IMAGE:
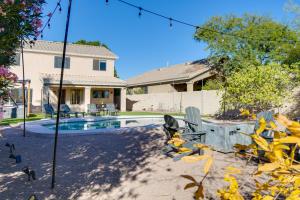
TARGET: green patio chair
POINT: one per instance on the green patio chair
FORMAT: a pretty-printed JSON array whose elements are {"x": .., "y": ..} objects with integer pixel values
[
  {"x": 66, "y": 110},
  {"x": 193, "y": 123},
  {"x": 92, "y": 109}
]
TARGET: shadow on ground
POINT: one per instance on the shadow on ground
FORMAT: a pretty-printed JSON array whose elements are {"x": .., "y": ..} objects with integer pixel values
[{"x": 86, "y": 165}]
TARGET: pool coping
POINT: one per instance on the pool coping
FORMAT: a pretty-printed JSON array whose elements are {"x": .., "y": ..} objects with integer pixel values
[{"x": 38, "y": 128}]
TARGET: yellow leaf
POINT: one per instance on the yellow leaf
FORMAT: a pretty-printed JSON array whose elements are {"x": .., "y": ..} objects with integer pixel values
[
  {"x": 261, "y": 142},
  {"x": 208, "y": 165},
  {"x": 233, "y": 170},
  {"x": 201, "y": 146},
  {"x": 283, "y": 120},
  {"x": 184, "y": 150},
  {"x": 288, "y": 140},
  {"x": 176, "y": 142},
  {"x": 294, "y": 130},
  {"x": 272, "y": 125},
  {"x": 194, "y": 158},
  {"x": 262, "y": 126},
  {"x": 268, "y": 167},
  {"x": 296, "y": 167},
  {"x": 268, "y": 197}
]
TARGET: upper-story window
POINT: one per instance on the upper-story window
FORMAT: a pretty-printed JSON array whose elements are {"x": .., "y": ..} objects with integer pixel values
[
  {"x": 58, "y": 62},
  {"x": 17, "y": 59},
  {"x": 99, "y": 65}
]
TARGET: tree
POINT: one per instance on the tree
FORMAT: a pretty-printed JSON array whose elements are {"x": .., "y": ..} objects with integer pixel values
[
  {"x": 292, "y": 7},
  {"x": 237, "y": 42},
  {"x": 92, "y": 43},
  {"x": 7, "y": 80},
  {"x": 19, "y": 20},
  {"x": 258, "y": 87}
]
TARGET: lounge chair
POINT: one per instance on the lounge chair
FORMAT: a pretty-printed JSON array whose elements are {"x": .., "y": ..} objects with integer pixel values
[
  {"x": 193, "y": 123},
  {"x": 191, "y": 136},
  {"x": 49, "y": 110},
  {"x": 65, "y": 109},
  {"x": 92, "y": 109},
  {"x": 111, "y": 109}
]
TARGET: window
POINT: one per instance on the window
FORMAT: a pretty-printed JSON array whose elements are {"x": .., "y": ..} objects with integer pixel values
[
  {"x": 99, "y": 65},
  {"x": 76, "y": 95},
  {"x": 17, "y": 59},
  {"x": 96, "y": 94},
  {"x": 58, "y": 62},
  {"x": 100, "y": 94},
  {"x": 105, "y": 94}
]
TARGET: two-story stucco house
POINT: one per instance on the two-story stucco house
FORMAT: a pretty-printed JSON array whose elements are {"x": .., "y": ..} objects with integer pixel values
[{"x": 88, "y": 75}]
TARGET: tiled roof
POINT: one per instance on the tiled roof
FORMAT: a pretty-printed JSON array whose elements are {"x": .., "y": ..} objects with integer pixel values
[
  {"x": 177, "y": 72},
  {"x": 83, "y": 80},
  {"x": 93, "y": 51}
]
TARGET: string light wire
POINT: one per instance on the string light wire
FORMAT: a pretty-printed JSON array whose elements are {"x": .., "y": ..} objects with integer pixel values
[{"x": 171, "y": 20}]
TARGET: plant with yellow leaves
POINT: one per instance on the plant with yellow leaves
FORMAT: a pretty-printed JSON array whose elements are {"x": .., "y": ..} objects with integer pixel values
[{"x": 277, "y": 175}]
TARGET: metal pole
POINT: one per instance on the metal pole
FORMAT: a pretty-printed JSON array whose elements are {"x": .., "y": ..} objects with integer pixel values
[
  {"x": 23, "y": 87},
  {"x": 60, "y": 94}
]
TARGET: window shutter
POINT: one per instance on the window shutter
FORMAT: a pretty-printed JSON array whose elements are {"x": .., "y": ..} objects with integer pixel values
[
  {"x": 95, "y": 64},
  {"x": 67, "y": 64},
  {"x": 57, "y": 62}
]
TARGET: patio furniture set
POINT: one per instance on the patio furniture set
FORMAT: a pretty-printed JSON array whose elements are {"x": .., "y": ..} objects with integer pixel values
[{"x": 93, "y": 109}]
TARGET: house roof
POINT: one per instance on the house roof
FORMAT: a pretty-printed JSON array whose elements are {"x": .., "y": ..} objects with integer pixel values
[
  {"x": 78, "y": 49},
  {"x": 79, "y": 80},
  {"x": 179, "y": 72}
]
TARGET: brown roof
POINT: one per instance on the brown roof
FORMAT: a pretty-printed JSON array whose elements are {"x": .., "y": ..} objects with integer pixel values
[
  {"x": 177, "y": 72},
  {"x": 50, "y": 46}
]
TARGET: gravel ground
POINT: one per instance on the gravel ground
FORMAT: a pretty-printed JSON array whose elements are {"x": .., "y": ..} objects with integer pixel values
[{"x": 128, "y": 165}]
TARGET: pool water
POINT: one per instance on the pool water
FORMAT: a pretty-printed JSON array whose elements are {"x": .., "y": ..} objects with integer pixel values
[{"x": 104, "y": 124}]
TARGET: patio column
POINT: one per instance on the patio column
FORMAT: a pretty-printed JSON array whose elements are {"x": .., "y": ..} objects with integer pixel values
[
  {"x": 87, "y": 97},
  {"x": 190, "y": 86},
  {"x": 123, "y": 99}
]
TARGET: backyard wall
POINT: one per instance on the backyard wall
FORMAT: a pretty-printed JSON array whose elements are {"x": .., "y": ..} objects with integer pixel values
[{"x": 207, "y": 101}]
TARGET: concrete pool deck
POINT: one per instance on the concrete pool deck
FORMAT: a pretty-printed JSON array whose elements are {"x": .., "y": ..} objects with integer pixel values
[{"x": 121, "y": 166}]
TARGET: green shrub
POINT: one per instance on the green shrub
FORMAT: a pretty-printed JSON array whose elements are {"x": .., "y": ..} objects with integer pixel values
[{"x": 258, "y": 88}]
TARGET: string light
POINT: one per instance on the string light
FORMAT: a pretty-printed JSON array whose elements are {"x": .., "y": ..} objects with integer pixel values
[
  {"x": 171, "y": 20},
  {"x": 140, "y": 11},
  {"x": 59, "y": 7},
  {"x": 171, "y": 24},
  {"x": 50, "y": 15}
]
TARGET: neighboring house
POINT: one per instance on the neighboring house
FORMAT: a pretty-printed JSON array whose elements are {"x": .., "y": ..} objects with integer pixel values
[
  {"x": 177, "y": 78},
  {"x": 88, "y": 76}
]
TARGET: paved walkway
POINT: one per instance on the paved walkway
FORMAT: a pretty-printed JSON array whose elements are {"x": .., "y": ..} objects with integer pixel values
[{"x": 105, "y": 167}]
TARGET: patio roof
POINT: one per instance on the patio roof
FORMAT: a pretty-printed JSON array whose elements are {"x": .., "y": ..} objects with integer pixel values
[
  {"x": 78, "y": 80},
  {"x": 179, "y": 72}
]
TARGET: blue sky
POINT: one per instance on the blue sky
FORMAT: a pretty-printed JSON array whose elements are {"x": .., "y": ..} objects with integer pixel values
[{"x": 148, "y": 42}]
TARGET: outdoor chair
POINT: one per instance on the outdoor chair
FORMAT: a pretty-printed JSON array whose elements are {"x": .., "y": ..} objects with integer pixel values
[
  {"x": 49, "y": 110},
  {"x": 111, "y": 109},
  {"x": 193, "y": 123},
  {"x": 93, "y": 110},
  {"x": 190, "y": 135},
  {"x": 268, "y": 116},
  {"x": 65, "y": 109}
]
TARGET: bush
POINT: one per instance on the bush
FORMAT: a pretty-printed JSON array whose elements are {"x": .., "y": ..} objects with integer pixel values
[
  {"x": 213, "y": 84},
  {"x": 258, "y": 88}
]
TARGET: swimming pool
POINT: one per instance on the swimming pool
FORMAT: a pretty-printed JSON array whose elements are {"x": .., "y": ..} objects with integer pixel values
[
  {"x": 222, "y": 136},
  {"x": 105, "y": 124}
]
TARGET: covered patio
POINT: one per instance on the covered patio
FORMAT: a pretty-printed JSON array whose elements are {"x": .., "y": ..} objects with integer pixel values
[{"x": 79, "y": 91}]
